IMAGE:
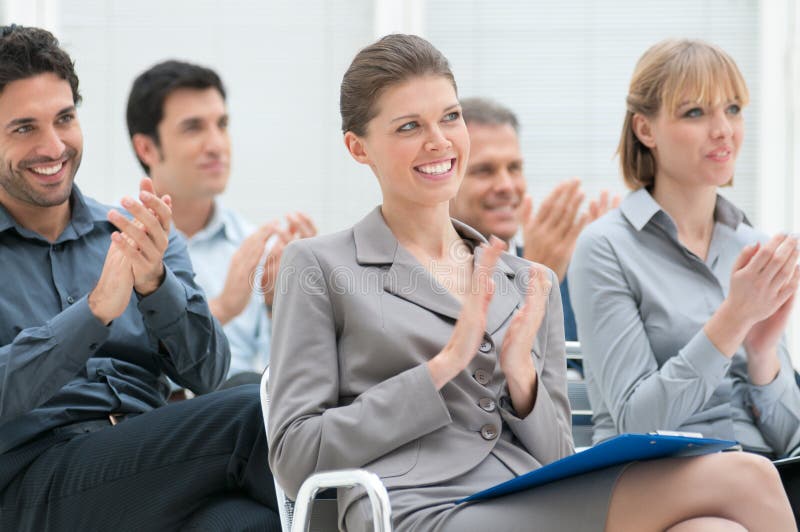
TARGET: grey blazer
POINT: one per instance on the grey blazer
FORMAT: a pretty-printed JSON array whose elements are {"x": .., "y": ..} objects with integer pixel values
[{"x": 356, "y": 319}]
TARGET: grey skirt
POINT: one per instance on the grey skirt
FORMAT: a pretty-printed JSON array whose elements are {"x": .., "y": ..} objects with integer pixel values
[{"x": 575, "y": 504}]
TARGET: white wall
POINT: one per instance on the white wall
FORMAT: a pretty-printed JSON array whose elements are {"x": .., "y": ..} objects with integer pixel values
[
  {"x": 282, "y": 67},
  {"x": 562, "y": 65}
]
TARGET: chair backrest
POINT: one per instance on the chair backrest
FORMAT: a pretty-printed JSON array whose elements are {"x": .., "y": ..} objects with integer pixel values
[
  {"x": 298, "y": 517},
  {"x": 285, "y": 504},
  {"x": 580, "y": 407}
]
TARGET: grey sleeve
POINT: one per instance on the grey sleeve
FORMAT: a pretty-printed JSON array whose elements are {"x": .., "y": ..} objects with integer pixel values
[
  {"x": 194, "y": 349},
  {"x": 640, "y": 396},
  {"x": 41, "y": 360},
  {"x": 551, "y": 411},
  {"x": 308, "y": 430},
  {"x": 778, "y": 406}
]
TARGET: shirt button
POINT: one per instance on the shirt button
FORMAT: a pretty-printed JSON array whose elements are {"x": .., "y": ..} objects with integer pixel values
[
  {"x": 486, "y": 346},
  {"x": 70, "y": 300},
  {"x": 481, "y": 376},
  {"x": 489, "y": 432},
  {"x": 488, "y": 404}
]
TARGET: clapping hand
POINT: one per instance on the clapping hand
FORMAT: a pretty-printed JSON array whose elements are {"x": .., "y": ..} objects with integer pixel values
[
  {"x": 244, "y": 263},
  {"x": 771, "y": 277},
  {"x": 516, "y": 361},
  {"x": 550, "y": 233},
  {"x": 299, "y": 225},
  {"x": 110, "y": 297},
  {"x": 469, "y": 328},
  {"x": 144, "y": 239},
  {"x": 763, "y": 283}
]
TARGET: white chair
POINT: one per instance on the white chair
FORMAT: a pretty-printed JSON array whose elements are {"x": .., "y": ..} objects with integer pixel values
[{"x": 296, "y": 516}]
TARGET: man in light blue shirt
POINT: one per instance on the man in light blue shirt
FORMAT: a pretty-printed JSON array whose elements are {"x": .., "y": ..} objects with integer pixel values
[
  {"x": 212, "y": 250},
  {"x": 178, "y": 123}
]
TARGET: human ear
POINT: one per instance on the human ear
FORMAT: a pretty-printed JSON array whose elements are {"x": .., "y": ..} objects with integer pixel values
[
  {"x": 146, "y": 149},
  {"x": 643, "y": 129},
  {"x": 357, "y": 147}
]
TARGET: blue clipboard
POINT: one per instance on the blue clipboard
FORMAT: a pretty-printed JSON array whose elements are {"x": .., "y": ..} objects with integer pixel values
[{"x": 618, "y": 450}]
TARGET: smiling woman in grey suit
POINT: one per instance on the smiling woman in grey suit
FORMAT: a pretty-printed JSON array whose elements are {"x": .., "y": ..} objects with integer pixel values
[{"x": 411, "y": 347}]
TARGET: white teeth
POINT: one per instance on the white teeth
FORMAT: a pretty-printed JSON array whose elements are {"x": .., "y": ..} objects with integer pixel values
[
  {"x": 435, "y": 169},
  {"x": 47, "y": 170}
]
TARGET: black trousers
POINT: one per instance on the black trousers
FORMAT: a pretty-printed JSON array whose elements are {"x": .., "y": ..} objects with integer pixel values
[
  {"x": 790, "y": 476},
  {"x": 193, "y": 465}
]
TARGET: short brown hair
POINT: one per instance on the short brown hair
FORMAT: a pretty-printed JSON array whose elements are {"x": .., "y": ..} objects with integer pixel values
[
  {"x": 26, "y": 52},
  {"x": 391, "y": 60},
  {"x": 663, "y": 76},
  {"x": 488, "y": 112}
]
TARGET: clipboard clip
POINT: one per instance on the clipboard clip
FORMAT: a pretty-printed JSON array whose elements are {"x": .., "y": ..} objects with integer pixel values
[{"x": 676, "y": 433}]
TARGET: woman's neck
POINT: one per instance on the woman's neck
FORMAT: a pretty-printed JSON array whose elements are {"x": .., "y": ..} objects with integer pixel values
[
  {"x": 692, "y": 210},
  {"x": 427, "y": 231}
]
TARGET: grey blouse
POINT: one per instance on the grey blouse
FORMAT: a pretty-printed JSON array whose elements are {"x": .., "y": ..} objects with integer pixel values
[{"x": 641, "y": 300}]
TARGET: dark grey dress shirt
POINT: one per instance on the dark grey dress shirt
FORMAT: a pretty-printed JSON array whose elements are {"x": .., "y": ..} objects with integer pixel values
[
  {"x": 59, "y": 364},
  {"x": 641, "y": 300}
]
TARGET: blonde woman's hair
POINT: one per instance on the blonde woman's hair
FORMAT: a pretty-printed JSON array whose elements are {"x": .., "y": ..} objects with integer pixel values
[{"x": 666, "y": 74}]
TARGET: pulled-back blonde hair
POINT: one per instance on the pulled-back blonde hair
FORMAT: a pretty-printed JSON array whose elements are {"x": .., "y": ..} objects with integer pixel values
[{"x": 666, "y": 74}]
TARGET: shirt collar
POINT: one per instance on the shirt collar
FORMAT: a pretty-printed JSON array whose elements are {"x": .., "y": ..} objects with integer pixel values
[
  {"x": 639, "y": 208},
  {"x": 84, "y": 213}
]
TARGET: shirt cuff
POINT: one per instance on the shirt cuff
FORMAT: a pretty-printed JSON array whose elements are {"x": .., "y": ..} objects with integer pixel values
[
  {"x": 764, "y": 397},
  {"x": 166, "y": 305},
  {"x": 79, "y": 328},
  {"x": 703, "y": 356}
]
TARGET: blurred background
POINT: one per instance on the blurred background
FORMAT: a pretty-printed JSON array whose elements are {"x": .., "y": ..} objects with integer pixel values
[{"x": 563, "y": 66}]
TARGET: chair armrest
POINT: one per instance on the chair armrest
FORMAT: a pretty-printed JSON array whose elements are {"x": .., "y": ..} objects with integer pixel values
[{"x": 344, "y": 478}]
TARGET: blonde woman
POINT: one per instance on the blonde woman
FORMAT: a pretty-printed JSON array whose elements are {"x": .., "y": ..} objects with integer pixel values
[{"x": 681, "y": 305}]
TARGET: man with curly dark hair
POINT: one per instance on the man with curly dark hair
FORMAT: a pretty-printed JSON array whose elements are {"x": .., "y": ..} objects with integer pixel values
[{"x": 99, "y": 309}]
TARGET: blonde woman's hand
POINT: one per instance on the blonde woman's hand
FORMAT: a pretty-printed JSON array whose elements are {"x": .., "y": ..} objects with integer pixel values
[{"x": 763, "y": 281}]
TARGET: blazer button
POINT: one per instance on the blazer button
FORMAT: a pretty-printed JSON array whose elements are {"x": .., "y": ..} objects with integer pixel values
[
  {"x": 487, "y": 403},
  {"x": 482, "y": 377},
  {"x": 489, "y": 432},
  {"x": 486, "y": 346}
]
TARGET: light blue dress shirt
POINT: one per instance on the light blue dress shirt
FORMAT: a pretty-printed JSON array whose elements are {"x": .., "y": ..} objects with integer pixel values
[
  {"x": 59, "y": 364},
  {"x": 641, "y": 300},
  {"x": 211, "y": 250}
]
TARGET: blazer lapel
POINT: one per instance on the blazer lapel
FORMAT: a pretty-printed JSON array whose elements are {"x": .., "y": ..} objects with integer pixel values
[
  {"x": 409, "y": 280},
  {"x": 506, "y": 297},
  {"x": 406, "y": 278}
]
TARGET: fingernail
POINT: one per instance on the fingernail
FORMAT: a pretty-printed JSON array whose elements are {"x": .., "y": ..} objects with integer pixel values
[
  {"x": 145, "y": 195},
  {"x": 127, "y": 202}
]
